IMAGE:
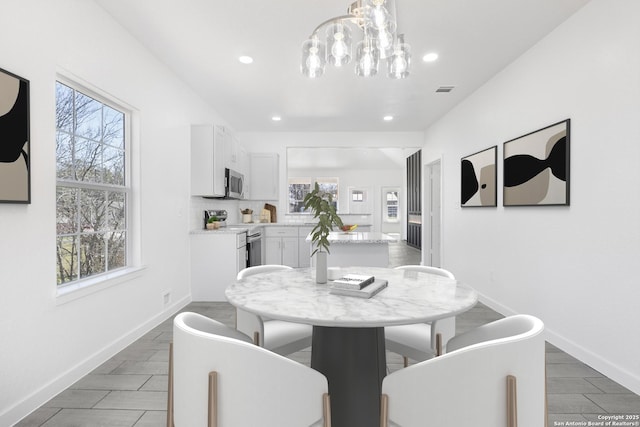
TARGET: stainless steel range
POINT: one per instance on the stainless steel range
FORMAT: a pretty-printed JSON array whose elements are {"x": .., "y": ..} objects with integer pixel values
[{"x": 254, "y": 247}]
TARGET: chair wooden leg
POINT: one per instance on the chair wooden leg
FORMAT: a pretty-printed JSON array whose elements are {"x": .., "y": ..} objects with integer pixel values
[
  {"x": 384, "y": 410},
  {"x": 170, "y": 388},
  {"x": 326, "y": 410},
  {"x": 512, "y": 402},
  {"x": 438, "y": 344},
  {"x": 406, "y": 361},
  {"x": 213, "y": 400}
]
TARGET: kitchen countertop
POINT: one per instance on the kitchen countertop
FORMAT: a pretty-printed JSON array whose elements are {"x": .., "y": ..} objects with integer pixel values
[
  {"x": 242, "y": 227},
  {"x": 351, "y": 237}
]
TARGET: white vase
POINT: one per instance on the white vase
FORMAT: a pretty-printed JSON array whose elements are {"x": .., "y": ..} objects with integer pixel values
[{"x": 321, "y": 267}]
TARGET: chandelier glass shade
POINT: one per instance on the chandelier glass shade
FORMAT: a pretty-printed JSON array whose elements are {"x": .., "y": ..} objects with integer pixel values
[
  {"x": 314, "y": 57},
  {"x": 376, "y": 20}
]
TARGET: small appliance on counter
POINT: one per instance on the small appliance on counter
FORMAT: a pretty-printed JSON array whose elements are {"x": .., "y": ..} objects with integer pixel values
[
  {"x": 221, "y": 214},
  {"x": 246, "y": 215}
]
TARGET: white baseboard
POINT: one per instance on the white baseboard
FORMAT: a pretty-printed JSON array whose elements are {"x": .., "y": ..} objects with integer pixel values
[
  {"x": 596, "y": 361},
  {"x": 45, "y": 393}
]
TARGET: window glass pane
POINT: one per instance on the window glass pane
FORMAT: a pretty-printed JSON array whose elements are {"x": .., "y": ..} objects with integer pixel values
[
  {"x": 92, "y": 254},
  {"x": 93, "y": 205},
  {"x": 298, "y": 189},
  {"x": 113, "y": 166},
  {"x": 66, "y": 210},
  {"x": 116, "y": 217},
  {"x": 88, "y": 117},
  {"x": 392, "y": 205},
  {"x": 329, "y": 185},
  {"x": 113, "y": 127},
  {"x": 64, "y": 155},
  {"x": 88, "y": 156},
  {"x": 116, "y": 244},
  {"x": 67, "y": 259},
  {"x": 64, "y": 107}
]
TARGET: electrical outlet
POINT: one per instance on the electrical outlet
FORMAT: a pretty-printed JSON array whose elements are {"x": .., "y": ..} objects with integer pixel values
[{"x": 166, "y": 297}]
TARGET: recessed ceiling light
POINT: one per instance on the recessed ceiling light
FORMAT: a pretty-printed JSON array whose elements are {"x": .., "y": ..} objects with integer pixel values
[
  {"x": 387, "y": 118},
  {"x": 276, "y": 118},
  {"x": 430, "y": 57},
  {"x": 245, "y": 59}
]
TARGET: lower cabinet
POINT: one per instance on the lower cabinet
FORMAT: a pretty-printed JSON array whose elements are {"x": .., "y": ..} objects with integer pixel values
[
  {"x": 304, "y": 247},
  {"x": 281, "y": 244},
  {"x": 216, "y": 259}
]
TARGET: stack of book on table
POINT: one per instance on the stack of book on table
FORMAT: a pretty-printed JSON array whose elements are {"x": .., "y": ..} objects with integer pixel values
[{"x": 357, "y": 285}]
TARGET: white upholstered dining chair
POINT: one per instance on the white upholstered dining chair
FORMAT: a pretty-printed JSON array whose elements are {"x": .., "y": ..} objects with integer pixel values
[
  {"x": 492, "y": 376},
  {"x": 421, "y": 341},
  {"x": 218, "y": 377},
  {"x": 276, "y": 335}
]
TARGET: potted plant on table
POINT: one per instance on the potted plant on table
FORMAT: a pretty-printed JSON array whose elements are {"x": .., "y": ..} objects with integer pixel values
[{"x": 320, "y": 203}]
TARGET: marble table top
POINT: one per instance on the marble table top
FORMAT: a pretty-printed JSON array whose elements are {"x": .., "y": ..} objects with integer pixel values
[
  {"x": 339, "y": 237},
  {"x": 294, "y": 295}
]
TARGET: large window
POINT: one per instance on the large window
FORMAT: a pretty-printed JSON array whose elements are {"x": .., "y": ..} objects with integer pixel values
[
  {"x": 92, "y": 199},
  {"x": 300, "y": 187}
]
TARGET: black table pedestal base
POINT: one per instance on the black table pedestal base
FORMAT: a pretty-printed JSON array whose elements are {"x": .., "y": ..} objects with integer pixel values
[{"x": 354, "y": 362}]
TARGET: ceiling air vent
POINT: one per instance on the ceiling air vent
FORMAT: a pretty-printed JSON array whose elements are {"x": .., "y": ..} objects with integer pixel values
[{"x": 445, "y": 89}]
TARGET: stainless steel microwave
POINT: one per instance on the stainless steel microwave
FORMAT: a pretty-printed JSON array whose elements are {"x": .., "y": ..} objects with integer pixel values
[{"x": 233, "y": 184}]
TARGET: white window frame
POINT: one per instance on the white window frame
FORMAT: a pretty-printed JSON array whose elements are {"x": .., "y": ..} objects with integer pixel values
[{"x": 85, "y": 286}]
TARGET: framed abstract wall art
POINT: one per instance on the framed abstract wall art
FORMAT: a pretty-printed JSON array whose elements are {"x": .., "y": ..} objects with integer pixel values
[
  {"x": 15, "y": 176},
  {"x": 478, "y": 183},
  {"x": 536, "y": 167}
]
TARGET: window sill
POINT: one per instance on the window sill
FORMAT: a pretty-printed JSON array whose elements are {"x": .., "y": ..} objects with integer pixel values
[{"x": 83, "y": 288}]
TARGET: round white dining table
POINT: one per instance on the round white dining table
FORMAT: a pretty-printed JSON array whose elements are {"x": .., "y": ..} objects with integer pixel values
[{"x": 348, "y": 332}]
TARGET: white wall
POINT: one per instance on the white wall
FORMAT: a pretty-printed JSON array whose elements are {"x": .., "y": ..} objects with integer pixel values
[
  {"x": 574, "y": 267},
  {"x": 47, "y": 346}
]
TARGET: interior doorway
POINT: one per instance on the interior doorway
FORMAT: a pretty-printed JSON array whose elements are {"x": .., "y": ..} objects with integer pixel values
[{"x": 432, "y": 217}]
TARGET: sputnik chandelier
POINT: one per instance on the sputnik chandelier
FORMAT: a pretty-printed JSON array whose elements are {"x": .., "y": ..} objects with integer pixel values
[{"x": 377, "y": 21}]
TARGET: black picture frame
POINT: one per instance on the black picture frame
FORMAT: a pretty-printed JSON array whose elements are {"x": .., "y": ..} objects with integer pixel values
[
  {"x": 15, "y": 144},
  {"x": 536, "y": 167},
  {"x": 478, "y": 179}
]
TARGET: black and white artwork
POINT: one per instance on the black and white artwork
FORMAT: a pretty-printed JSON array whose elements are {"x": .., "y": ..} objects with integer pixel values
[
  {"x": 15, "y": 186},
  {"x": 479, "y": 178},
  {"x": 536, "y": 167}
]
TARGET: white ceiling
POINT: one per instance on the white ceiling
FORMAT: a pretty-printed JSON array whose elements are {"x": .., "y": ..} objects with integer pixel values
[{"x": 201, "y": 40}]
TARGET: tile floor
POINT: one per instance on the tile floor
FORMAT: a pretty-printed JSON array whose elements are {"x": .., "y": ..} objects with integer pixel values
[{"x": 130, "y": 389}]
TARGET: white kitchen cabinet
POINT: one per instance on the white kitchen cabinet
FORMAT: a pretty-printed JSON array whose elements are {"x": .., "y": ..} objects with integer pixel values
[
  {"x": 264, "y": 176},
  {"x": 207, "y": 163},
  {"x": 281, "y": 246},
  {"x": 304, "y": 247},
  {"x": 230, "y": 149},
  {"x": 216, "y": 259}
]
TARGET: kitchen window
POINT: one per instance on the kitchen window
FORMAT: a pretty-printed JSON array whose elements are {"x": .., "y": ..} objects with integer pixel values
[
  {"x": 299, "y": 187},
  {"x": 93, "y": 186}
]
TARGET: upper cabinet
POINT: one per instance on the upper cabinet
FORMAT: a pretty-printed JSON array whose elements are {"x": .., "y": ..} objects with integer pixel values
[
  {"x": 214, "y": 148},
  {"x": 230, "y": 151},
  {"x": 207, "y": 160},
  {"x": 264, "y": 176}
]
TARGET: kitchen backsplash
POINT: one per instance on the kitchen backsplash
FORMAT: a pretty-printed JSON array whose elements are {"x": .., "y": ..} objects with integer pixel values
[{"x": 233, "y": 207}]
